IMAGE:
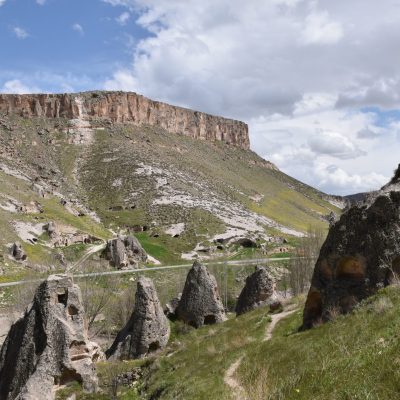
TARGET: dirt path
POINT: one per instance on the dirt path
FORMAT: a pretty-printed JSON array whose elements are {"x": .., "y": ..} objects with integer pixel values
[
  {"x": 92, "y": 250},
  {"x": 237, "y": 389},
  {"x": 275, "y": 318},
  {"x": 230, "y": 380}
]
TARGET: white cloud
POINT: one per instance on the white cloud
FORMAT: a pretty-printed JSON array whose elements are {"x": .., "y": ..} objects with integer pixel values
[
  {"x": 17, "y": 87},
  {"x": 333, "y": 176},
  {"x": 320, "y": 29},
  {"x": 123, "y": 18},
  {"x": 313, "y": 102},
  {"x": 122, "y": 80},
  {"x": 2, "y": 2},
  {"x": 20, "y": 33},
  {"x": 78, "y": 28},
  {"x": 41, "y": 2},
  {"x": 334, "y": 144}
]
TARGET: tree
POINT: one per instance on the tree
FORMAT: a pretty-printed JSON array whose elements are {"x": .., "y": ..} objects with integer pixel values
[{"x": 302, "y": 264}]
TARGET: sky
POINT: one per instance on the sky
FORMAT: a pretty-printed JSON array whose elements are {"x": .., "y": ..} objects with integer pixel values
[{"x": 318, "y": 81}]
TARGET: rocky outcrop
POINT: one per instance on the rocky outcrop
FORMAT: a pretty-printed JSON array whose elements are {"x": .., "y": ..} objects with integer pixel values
[
  {"x": 64, "y": 235},
  {"x": 146, "y": 331},
  {"x": 258, "y": 290},
  {"x": 171, "y": 306},
  {"x": 48, "y": 347},
  {"x": 18, "y": 252},
  {"x": 125, "y": 252},
  {"x": 200, "y": 303},
  {"x": 127, "y": 108},
  {"x": 360, "y": 255}
]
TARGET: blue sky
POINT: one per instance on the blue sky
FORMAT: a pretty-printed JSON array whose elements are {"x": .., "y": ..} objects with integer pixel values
[
  {"x": 316, "y": 80},
  {"x": 68, "y": 42}
]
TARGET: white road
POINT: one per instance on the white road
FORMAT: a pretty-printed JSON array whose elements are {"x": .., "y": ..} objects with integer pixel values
[{"x": 252, "y": 261}]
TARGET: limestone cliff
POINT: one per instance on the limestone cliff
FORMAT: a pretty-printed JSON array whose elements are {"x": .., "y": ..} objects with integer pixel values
[{"x": 127, "y": 108}]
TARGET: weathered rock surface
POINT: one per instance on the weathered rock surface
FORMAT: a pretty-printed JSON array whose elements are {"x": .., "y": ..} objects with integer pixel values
[
  {"x": 17, "y": 252},
  {"x": 200, "y": 303},
  {"x": 125, "y": 252},
  {"x": 360, "y": 255},
  {"x": 259, "y": 288},
  {"x": 171, "y": 306},
  {"x": 146, "y": 331},
  {"x": 48, "y": 347},
  {"x": 123, "y": 107}
]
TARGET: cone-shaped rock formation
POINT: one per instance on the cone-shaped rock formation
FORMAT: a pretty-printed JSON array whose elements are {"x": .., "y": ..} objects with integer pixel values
[
  {"x": 146, "y": 331},
  {"x": 259, "y": 288},
  {"x": 200, "y": 303},
  {"x": 360, "y": 255},
  {"x": 48, "y": 346}
]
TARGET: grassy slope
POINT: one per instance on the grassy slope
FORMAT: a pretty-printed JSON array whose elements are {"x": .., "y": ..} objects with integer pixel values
[
  {"x": 232, "y": 172},
  {"x": 81, "y": 172},
  {"x": 354, "y": 357}
]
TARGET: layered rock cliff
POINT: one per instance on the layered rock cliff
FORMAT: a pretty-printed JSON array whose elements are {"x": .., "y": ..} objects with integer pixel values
[{"x": 127, "y": 108}]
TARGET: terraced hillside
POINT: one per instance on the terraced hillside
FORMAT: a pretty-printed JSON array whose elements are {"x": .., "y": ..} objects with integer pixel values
[{"x": 97, "y": 176}]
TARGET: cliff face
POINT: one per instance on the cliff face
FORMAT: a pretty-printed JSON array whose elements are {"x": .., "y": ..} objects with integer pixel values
[{"x": 123, "y": 107}]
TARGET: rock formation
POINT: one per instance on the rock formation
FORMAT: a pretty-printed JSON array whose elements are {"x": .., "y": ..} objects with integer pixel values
[
  {"x": 146, "y": 331},
  {"x": 125, "y": 252},
  {"x": 127, "y": 108},
  {"x": 171, "y": 306},
  {"x": 259, "y": 288},
  {"x": 17, "y": 252},
  {"x": 200, "y": 303},
  {"x": 360, "y": 255},
  {"x": 48, "y": 347}
]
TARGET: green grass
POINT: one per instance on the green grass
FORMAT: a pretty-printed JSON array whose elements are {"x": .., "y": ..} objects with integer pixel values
[
  {"x": 197, "y": 368},
  {"x": 354, "y": 357},
  {"x": 54, "y": 211}
]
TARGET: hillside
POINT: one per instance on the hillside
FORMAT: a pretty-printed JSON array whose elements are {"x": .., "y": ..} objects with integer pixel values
[
  {"x": 351, "y": 357},
  {"x": 102, "y": 163},
  {"x": 348, "y": 358}
]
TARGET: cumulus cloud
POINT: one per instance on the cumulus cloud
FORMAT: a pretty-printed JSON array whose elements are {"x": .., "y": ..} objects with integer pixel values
[
  {"x": 78, "y": 28},
  {"x": 20, "y": 33},
  {"x": 334, "y": 144},
  {"x": 18, "y": 87},
  {"x": 332, "y": 175}
]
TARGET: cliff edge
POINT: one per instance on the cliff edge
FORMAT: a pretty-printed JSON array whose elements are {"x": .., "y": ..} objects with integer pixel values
[{"x": 127, "y": 108}]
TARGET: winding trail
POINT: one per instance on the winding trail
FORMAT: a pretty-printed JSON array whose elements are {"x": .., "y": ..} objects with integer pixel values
[
  {"x": 91, "y": 250},
  {"x": 238, "y": 390},
  {"x": 275, "y": 318}
]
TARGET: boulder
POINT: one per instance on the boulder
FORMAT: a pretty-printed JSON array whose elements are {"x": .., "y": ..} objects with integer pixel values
[
  {"x": 146, "y": 331},
  {"x": 360, "y": 255},
  {"x": 48, "y": 347},
  {"x": 171, "y": 306},
  {"x": 200, "y": 303},
  {"x": 134, "y": 249},
  {"x": 17, "y": 252},
  {"x": 115, "y": 253},
  {"x": 125, "y": 252},
  {"x": 259, "y": 288}
]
